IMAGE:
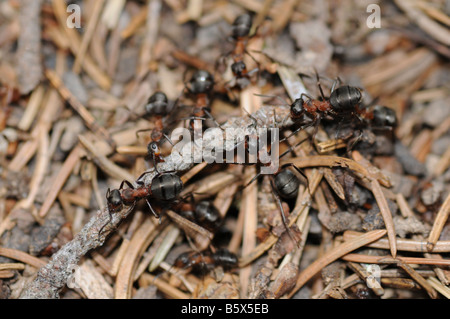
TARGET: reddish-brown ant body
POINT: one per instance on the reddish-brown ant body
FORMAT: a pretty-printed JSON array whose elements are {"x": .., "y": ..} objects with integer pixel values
[
  {"x": 157, "y": 108},
  {"x": 164, "y": 187},
  {"x": 203, "y": 213},
  {"x": 240, "y": 34},
  {"x": 203, "y": 261},
  {"x": 200, "y": 87}
]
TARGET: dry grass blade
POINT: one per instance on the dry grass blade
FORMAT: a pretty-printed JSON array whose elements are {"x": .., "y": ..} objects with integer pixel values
[
  {"x": 439, "y": 223},
  {"x": 76, "y": 104},
  {"x": 60, "y": 179},
  {"x": 419, "y": 279},
  {"x": 436, "y": 284},
  {"x": 21, "y": 256},
  {"x": 403, "y": 244},
  {"x": 334, "y": 254},
  {"x": 389, "y": 260},
  {"x": 387, "y": 216},
  {"x": 138, "y": 244}
]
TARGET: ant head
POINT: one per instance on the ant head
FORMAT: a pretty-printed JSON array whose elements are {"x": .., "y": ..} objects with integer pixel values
[
  {"x": 238, "y": 68},
  {"x": 384, "y": 117},
  {"x": 157, "y": 104},
  {"x": 297, "y": 109},
  {"x": 201, "y": 82},
  {"x": 153, "y": 148},
  {"x": 113, "y": 197},
  {"x": 241, "y": 26}
]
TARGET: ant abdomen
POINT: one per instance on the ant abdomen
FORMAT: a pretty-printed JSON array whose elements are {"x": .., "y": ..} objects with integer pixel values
[
  {"x": 225, "y": 258},
  {"x": 345, "y": 98},
  {"x": 201, "y": 82},
  {"x": 286, "y": 183},
  {"x": 241, "y": 26},
  {"x": 157, "y": 104},
  {"x": 166, "y": 187},
  {"x": 207, "y": 215},
  {"x": 384, "y": 117}
]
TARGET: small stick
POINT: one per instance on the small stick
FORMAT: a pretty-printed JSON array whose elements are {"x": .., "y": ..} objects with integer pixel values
[
  {"x": 59, "y": 8},
  {"x": 60, "y": 179},
  {"x": 12, "y": 266},
  {"x": 87, "y": 36},
  {"x": 335, "y": 254},
  {"x": 22, "y": 256},
  {"x": 164, "y": 287},
  {"x": 32, "y": 109},
  {"x": 419, "y": 279},
  {"x": 76, "y": 104},
  {"x": 137, "y": 21},
  {"x": 386, "y": 214},
  {"x": 439, "y": 224},
  {"x": 403, "y": 244},
  {"x": 125, "y": 275},
  {"x": 436, "y": 284},
  {"x": 103, "y": 162},
  {"x": 362, "y": 273},
  {"x": 368, "y": 259}
]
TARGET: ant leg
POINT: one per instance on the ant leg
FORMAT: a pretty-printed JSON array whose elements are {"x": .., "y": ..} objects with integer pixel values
[
  {"x": 273, "y": 96},
  {"x": 253, "y": 179},
  {"x": 292, "y": 147},
  {"x": 308, "y": 96},
  {"x": 128, "y": 184},
  {"x": 319, "y": 85},
  {"x": 213, "y": 119},
  {"x": 283, "y": 217},
  {"x": 153, "y": 211},
  {"x": 108, "y": 192},
  {"x": 336, "y": 81},
  {"x": 142, "y": 130}
]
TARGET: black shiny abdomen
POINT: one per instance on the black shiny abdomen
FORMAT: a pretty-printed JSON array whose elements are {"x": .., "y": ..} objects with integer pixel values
[
  {"x": 201, "y": 82},
  {"x": 345, "y": 98},
  {"x": 225, "y": 258},
  {"x": 241, "y": 26},
  {"x": 286, "y": 184},
  {"x": 207, "y": 215},
  {"x": 166, "y": 187},
  {"x": 384, "y": 117},
  {"x": 157, "y": 104}
]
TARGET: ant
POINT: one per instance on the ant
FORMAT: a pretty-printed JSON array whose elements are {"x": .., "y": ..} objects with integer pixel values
[
  {"x": 240, "y": 33},
  {"x": 203, "y": 213},
  {"x": 164, "y": 187},
  {"x": 205, "y": 261},
  {"x": 157, "y": 107},
  {"x": 344, "y": 103},
  {"x": 284, "y": 182},
  {"x": 200, "y": 87}
]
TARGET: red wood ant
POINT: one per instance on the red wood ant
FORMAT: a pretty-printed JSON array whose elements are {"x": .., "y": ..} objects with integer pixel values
[
  {"x": 200, "y": 87},
  {"x": 344, "y": 103},
  {"x": 240, "y": 31},
  {"x": 165, "y": 187},
  {"x": 157, "y": 108},
  {"x": 203, "y": 213},
  {"x": 203, "y": 261}
]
